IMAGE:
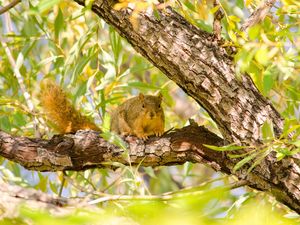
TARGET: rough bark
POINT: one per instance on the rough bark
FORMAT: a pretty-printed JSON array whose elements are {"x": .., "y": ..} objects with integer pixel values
[
  {"x": 199, "y": 65},
  {"x": 86, "y": 150}
]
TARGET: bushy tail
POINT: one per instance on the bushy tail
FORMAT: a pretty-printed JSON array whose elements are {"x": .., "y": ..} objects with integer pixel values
[{"x": 60, "y": 110}]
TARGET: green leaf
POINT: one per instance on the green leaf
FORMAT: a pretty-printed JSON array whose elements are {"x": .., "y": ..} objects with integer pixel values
[
  {"x": 44, "y": 5},
  {"x": 230, "y": 147},
  {"x": 115, "y": 139},
  {"x": 58, "y": 23},
  {"x": 214, "y": 9},
  {"x": 150, "y": 172},
  {"x": 81, "y": 63},
  {"x": 156, "y": 14},
  {"x": 240, "y": 4},
  {"x": 116, "y": 45},
  {"x": 189, "y": 5},
  {"x": 244, "y": 161},
  {"x": 75, "y": 52},
  {"x": 267, "y": 131},
  {"x": 201, "y": 24},
  {"x": 268, "y": 82},
  {"x": 5, "y": 123},
  {"x": 261, "y": 55},
  {"x": 288, "y": 130},
  {"x": 232, "y": 35},
  {"x": 20, "y": 61},
  {"x": 296, "y": 143},
  {"x": 263, "y": 153},
  {"x": 54, "y": 187},
  {"x": 234, "y": 18}
]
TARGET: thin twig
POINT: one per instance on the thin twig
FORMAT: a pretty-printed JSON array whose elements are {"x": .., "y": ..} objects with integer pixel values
[
  {"x": 194, "y": 188},
  {"x": 163, "y": 197},
  {"x": 114, "y": 182},
  {"x": 258, "y": 15},
  {"x": 62, "y": 186},
  {"x": 218, "y": 16},
  {"x": 20, "y": 79},
  {"x": 9, "y": 6}
]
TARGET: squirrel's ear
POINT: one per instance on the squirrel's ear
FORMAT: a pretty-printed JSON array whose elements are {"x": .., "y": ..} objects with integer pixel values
[
  {"x": 141, "y": 96},
  {"x": 160, "y": 96}
]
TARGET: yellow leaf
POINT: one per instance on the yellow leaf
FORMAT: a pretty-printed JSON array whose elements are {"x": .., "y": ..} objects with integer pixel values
[
  {"x": 262, "y": 55},
  {"x": 202, "y": 11},
  {"x": 248, "y": 2},
  {"x": 232, "y": 35},
  {"x": 234, "y": 18},
  {"x": 214, "y": 9},
  {"x": 120, "y": 6},
  {"x": 231, "y": 25}
]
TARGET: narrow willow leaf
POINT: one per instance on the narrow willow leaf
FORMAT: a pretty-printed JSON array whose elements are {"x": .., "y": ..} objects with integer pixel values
[
  {"x": 290, "y": 130},
  {"x": 58, "y": 23},
  {"x": 244, "y": 161},
  {"x": 267, "y": 130},
  {"x": 258, "y": 160},
  {"x": 46, "y": 4},
  {"x": 214, "y": 9},
  {"x": 225, "y": 148},
  {"x": 268, "y": 82}
]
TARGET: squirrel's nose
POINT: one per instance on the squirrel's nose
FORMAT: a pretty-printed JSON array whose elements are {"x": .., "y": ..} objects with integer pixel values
[{"x": 152, "y": 114}]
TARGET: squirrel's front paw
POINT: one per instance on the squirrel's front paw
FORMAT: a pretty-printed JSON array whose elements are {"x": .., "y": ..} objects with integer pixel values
[
  {"x": 142, "y": 136},
  {"x": 159, "y": 133}
]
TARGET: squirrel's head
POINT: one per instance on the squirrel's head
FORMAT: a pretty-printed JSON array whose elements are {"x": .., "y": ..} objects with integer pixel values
[{"x": 151, "y": 105}]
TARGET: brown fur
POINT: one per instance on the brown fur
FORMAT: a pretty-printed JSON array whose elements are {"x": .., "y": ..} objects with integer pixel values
[
  {"x": 60, "y": 110},
  {"x": 141, "y": 116}
]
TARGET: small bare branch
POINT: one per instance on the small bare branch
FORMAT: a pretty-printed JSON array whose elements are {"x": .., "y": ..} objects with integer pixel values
[
  {"x": 9, "y": 6},
  {"x": 217, "y": 25},
  {"x": 258, "y": 15}
]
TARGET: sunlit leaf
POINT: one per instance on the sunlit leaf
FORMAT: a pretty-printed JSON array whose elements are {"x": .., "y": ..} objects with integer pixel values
[
  {"x": 231, "y": 147},
  {"x": 59, "y": 23},
  {"x": 44, "y": 5},
  {"x": 244, "y": 161}
]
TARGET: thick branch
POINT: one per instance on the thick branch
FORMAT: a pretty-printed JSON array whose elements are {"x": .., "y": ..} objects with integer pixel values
[
  {"x": 86, "y": 149},
  {"x": 193, "y": 59}
]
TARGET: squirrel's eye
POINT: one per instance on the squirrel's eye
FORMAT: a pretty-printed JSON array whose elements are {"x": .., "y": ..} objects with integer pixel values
[
  {"x": 143, "y": 105},
  {"x": 159, "y": 106}
]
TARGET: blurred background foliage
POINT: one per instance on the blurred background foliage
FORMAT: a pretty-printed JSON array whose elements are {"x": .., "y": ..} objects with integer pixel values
[{"x": 65, "y": 42}]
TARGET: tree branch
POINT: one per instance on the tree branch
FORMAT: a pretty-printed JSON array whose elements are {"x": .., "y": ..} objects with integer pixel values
[
  {"x": 258, "y": 15},
  {"x": 9, "y": 6},
  {"x": 13, "y": 196},
  {"x": 86, "y": 150}
]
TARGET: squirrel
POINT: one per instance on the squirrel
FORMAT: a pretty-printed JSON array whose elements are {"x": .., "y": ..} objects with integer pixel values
[{"x": 141, "y": 116}]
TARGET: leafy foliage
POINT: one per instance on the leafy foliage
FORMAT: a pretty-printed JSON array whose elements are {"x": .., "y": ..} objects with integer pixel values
[{"x": 60, "y": 40}]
